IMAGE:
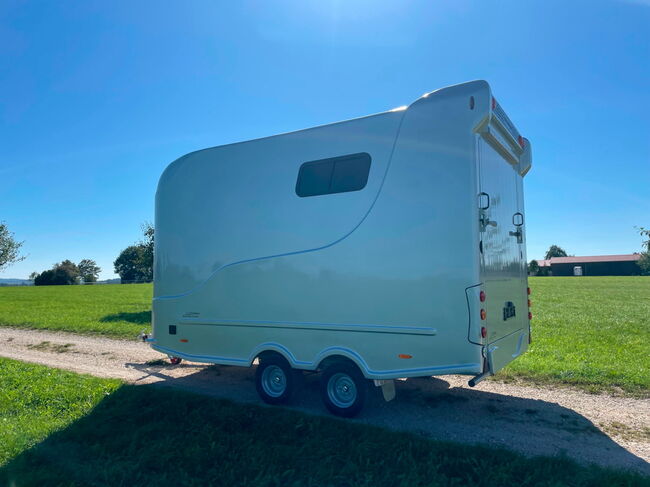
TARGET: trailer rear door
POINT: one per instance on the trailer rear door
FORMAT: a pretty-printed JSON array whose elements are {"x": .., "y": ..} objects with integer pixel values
[{"x": 503, "y": 257}]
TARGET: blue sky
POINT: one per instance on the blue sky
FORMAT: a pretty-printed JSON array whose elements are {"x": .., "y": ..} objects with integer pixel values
[{"x": 96, "y": 98}]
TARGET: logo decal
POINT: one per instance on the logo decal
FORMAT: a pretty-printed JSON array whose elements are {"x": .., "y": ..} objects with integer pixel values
[{"x": 508, "y": 310}]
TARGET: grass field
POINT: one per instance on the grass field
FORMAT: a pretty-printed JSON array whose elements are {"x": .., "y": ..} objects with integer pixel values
[
  {"x": 589, "y": 332},
  {"x": 104, "y": 434},
  {"x": 117, "y": 311}
]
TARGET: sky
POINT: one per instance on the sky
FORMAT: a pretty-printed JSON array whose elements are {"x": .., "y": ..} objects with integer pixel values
[{"x": 96, "y": 98}]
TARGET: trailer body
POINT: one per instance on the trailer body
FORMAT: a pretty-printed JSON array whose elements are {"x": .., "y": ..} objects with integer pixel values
[{"x": 396, "y": 241}]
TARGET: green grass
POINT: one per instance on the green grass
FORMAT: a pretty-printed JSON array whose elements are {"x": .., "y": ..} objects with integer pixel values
[
  {"x": 113, "y": 310},
  {"x": 589, "y": 332},
  {"x": 35, "y": 401},
  {"x": 145, "y": 435}
]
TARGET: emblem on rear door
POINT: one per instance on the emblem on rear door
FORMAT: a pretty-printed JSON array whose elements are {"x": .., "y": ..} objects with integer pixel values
[{"x": 508, "y": 310}]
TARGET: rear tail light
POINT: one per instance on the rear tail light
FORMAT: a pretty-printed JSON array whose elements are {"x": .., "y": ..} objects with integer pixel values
[
  {"x": 528, "y": 290},
  {"x": 521, "y": 141},
  {"x": 494, "y": 103},
  {"x": 481, "y": 296},
  {"x": 530, "y": 315},
  {"x": 483, "y": 332},
  {"x": 529, "y": 303},
  {"x": 483, "y": 314}
]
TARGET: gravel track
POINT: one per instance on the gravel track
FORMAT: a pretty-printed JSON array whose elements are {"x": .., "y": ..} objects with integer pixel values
[{"x": 609, "y": 431}]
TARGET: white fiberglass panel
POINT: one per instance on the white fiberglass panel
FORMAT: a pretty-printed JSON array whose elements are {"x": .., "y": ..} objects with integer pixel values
[
  {"x": 503, "y": 258},
  {"x": 397, "y": 265},
  {"x": 235, "y": 203}
]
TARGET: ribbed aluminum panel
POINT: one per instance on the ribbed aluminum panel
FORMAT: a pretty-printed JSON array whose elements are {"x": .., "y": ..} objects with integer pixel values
[{"x": 503, "y": 118}]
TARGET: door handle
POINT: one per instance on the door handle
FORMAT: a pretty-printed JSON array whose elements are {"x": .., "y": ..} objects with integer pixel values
[
  {"x": 483, "y": 201},
  {"x": 517, "y": 234},
  {"x": 486, "y": 222}
]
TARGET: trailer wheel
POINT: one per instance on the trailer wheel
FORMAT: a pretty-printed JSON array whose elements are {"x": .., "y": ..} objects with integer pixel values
[
  {"x": 343, "y": 389},
  {"x": 175, "y": 360},
  {"x": 275, "y": 380}
]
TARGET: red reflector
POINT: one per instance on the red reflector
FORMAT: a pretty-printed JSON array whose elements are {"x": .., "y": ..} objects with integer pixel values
[
  {"x": 405, "y": 355},
  {"x": 530, "y": 315},
  {"x": 483, "y": 332},
  {"x": 481, "y": 296},
  {"x": 494, "y": 103},
  {"x": 521, "y": 141},
  {"x": 528, "y": 290},
  {"x": 483, "y": 314}
]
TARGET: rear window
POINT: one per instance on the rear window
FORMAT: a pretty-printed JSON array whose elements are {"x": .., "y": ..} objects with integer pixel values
[{"x": 334, "y": 175}]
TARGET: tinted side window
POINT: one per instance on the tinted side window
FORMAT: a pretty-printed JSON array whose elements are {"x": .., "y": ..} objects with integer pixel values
[{"x": 335, "y": 175}]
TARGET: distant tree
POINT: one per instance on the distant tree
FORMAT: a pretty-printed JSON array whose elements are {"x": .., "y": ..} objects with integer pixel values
[
  {"x": 131, "y": 264},
  {"x": 68, "y": 268},
  {"x": 135, "y": 263},
  {"x": 9, "y": 248},
  {"x": 33, "y": 275},
  {"x": 644, "y": 260},
  {"x": 644, "y": 263},
  {"x": 65, "y": 272},
  {"x": 88, "y": 270},
  {"x": 45, "y": 278},
  {"x": 147, "y": 245},
  {"x": 533, "y": 267},
  {"x": 555, "y": 251}
]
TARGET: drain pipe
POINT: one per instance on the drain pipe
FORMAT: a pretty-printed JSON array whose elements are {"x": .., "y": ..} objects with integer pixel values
[
  {"x": 475, "y": 380},
  {"x": 486, "y": 367}
]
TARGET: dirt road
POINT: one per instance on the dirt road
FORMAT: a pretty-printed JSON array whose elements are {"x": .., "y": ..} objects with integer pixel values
[{"x": 598, "y": 429}]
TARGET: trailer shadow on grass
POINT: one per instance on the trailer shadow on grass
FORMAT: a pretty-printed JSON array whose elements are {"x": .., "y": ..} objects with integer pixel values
[
  {"x": 139, "y": 317},
  {"x": 433, "y": 409},
  {"x": 151, "y": 435}
]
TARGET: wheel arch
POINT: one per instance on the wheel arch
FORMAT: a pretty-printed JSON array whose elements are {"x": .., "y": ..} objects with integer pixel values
[
  {"x": 324, "y": 357},
  {"x": 266, "y": 349},
  {"x": 339, "y": 354}
]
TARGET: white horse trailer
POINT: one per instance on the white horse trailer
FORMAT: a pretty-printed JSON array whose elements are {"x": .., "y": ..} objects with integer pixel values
[{"x": 383, "y": 247}]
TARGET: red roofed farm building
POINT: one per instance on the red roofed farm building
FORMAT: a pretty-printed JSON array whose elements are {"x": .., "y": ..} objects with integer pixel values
[{"x": 595, "y": 265}]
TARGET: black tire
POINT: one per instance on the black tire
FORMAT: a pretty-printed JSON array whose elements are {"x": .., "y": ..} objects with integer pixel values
[
  {"x": 343, "y": 389},
  {"x": 275, "y": 380}
]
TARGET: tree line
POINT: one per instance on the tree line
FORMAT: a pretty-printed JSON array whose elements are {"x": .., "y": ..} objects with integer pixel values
[
  {"x": 67, "y": 272},
  {"x": 135, "y": 262}
]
